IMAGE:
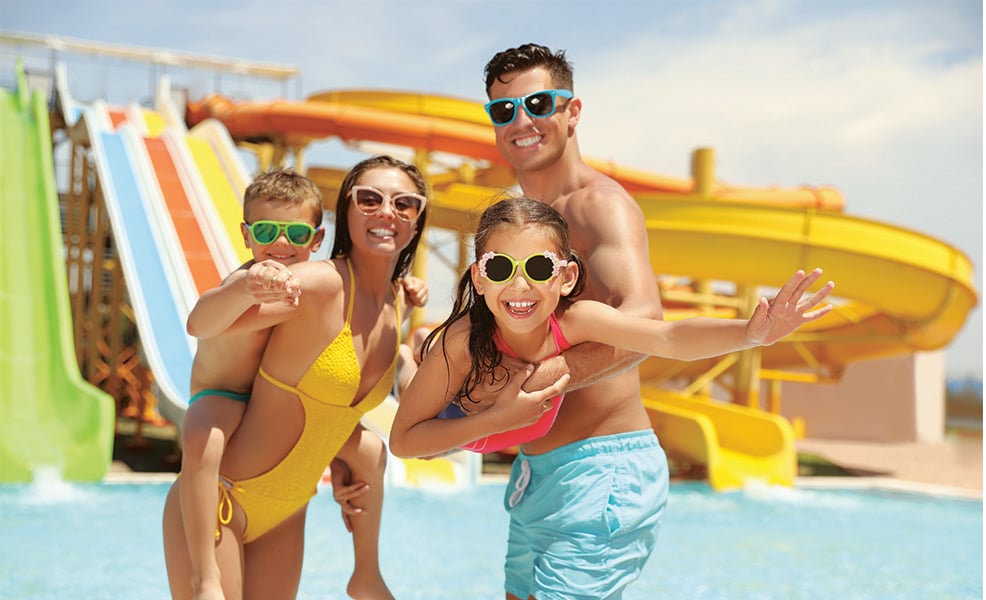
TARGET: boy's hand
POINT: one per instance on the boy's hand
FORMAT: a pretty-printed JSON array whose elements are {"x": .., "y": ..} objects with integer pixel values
[
  {"x": 269, "y": 281},
  {"x": 416, "y": 290}
]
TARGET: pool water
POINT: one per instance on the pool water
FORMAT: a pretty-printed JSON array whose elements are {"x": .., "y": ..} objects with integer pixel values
[{"x": 61, "y": 540}]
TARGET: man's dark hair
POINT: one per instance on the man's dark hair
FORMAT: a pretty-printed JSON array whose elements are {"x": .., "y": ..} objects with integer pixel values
[{"x": 529, "y": 56}]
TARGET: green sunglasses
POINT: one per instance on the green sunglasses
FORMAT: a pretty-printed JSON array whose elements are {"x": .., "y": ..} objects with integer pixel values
[
  {"x": 538, "y": 268},
  {"x": 267, "y": 232}
]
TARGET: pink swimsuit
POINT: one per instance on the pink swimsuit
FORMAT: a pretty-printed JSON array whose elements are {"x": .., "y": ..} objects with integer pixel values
[{"x": 516, "y": 437}]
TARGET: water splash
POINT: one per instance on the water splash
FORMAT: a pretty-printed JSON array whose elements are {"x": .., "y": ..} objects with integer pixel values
[
  {"x": 48, "y": 487},
  {"x": 779, "y": 494}
]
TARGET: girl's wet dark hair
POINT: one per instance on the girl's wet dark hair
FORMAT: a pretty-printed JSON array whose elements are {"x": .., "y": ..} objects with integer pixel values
[
  {"x": 343, "y": 243},
  {"x": 529, "y": 56},
  {"x": 486, "y": 358}
]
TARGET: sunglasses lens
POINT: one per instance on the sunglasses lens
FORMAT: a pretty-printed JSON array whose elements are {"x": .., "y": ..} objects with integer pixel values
[
  {"x": 299, "y": 234},
  {"x": 407, "y": 206},
  {"x": 499, "y": 269},
  {"x": 368, "y": 201},
  {"x": 539, "y": 268},
  {"x": 502, "y": 111},
  {"x": 540, "y": 104},
  {"x": 264, "y": 232}
]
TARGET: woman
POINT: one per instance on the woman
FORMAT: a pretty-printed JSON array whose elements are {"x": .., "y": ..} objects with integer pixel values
[{"x": 330, "y": 359}]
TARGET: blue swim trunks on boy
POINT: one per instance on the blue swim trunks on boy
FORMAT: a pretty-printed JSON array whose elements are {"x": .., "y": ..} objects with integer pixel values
[{"x": 584, "y": 517}]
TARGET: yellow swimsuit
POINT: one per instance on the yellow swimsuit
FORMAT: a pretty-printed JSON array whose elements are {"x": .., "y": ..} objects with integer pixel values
[{"x": 326, "y": 391}]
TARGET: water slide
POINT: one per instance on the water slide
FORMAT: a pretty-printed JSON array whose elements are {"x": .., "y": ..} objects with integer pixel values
[
  {"x": 899, "y": 291},
  {"x": 50, "y": 418}
]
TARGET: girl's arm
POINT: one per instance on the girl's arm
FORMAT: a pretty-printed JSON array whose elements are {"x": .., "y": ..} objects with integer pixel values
[
  {"x": 418, "y": 432},
  {"x": 699, "y": 337},
  {"x": 251, "y": 284}
]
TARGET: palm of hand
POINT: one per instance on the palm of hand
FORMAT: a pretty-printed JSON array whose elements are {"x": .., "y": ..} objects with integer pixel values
[{"x": 788, "y": 310}]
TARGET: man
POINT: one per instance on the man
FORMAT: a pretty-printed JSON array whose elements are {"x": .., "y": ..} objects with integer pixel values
[{"x": 586, "y": 533}]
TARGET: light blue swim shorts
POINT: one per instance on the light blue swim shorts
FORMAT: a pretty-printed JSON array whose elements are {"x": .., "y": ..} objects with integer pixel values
[{"x": 584, "y": 517}]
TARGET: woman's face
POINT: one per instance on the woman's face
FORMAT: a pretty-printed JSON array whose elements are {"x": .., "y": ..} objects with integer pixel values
[{"x": 383, "y": 231}]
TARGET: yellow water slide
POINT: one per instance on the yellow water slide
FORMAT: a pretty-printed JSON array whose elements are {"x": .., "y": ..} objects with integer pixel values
[{"x": 899, "y": 291}]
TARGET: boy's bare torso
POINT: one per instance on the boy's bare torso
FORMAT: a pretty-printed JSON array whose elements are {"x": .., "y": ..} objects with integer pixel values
[{"x": 228, "y": 362}]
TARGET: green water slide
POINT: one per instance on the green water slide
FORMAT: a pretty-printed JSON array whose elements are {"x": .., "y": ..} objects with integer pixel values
[{"x": 50, "y": 417}]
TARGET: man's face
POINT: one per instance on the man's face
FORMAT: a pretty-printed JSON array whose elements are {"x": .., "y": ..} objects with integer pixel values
[{"x": 528, "y": 143}]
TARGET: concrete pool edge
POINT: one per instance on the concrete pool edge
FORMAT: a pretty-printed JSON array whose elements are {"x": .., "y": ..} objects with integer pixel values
[
  {"x": 835, "y": 483},
  {"x": 888, "y": 485}
]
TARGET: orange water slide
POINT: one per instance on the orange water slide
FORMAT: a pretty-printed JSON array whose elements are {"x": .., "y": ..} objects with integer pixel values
[
  {"x": 204, "y": 271},
  {"x": 436, "y": 123},
  {"x": 195, "y": 249}
]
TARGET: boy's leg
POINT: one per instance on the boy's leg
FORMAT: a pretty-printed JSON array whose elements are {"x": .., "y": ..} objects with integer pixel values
[
  {"x": 209, "y": 422},
  {"x": 366, "y": 457}
]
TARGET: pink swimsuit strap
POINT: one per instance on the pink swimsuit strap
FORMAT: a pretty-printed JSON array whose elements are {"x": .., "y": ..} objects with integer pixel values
[{"x": 561, "y": 343}]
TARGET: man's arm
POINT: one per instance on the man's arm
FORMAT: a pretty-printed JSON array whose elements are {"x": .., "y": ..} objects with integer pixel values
[{"x": 608, "y": 229}]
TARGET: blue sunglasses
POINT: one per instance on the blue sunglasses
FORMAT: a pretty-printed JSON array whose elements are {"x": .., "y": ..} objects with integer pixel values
[{"x": 537, "y": 105}]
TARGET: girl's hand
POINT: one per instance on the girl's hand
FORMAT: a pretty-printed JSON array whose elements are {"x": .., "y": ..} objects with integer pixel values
[
  {"x": 269, "y": 281},
  {"x": 788, "y": 310},
  {"x": 516, "y": 408}
]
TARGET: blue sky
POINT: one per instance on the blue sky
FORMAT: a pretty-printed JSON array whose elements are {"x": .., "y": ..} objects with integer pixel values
[{"x": 881, "y": 99}]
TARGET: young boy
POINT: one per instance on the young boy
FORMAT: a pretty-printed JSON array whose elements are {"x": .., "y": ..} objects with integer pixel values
[{"x": 282, "y": 226}]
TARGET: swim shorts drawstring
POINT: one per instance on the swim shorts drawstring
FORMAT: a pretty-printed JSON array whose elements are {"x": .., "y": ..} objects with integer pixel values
[{"x": 522, "y": 480}]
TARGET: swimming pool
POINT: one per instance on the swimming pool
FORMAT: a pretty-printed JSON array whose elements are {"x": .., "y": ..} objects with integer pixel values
[{"x": 59, "y": 540}]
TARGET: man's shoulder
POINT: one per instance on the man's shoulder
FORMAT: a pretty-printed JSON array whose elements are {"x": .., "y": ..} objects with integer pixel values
[
  {"x": 600, "y": 201},
  {"x": 600, "y": 192}
]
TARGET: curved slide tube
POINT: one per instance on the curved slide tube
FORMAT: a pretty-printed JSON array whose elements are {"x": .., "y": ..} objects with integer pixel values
[
  {"x": 436, "y": 124},
  {"x": 50, "y": 418}
]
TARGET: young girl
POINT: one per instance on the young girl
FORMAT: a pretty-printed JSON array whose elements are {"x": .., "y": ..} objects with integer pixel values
[
  {"x": 584, "y": 515},
  {"x": 516, "y": 300},
  {"x": 329, "y": 359}
]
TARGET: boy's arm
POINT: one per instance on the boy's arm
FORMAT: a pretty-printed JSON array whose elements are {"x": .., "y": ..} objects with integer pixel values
[{"x": 257, "y": 283}]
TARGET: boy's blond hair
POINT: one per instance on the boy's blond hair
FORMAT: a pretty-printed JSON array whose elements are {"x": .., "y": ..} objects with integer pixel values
[{"x": 284, "y": 186}]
